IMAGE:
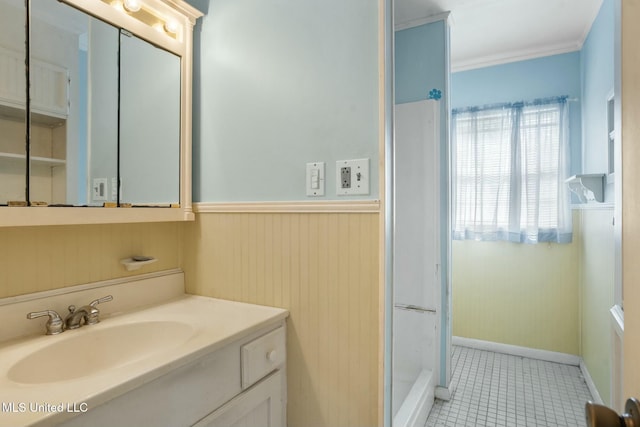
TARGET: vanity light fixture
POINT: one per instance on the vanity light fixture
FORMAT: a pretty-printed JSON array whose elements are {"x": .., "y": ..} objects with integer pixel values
[{"x": 132, "y": 5}]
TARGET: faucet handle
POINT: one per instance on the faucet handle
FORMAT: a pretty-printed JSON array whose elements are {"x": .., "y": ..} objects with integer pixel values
[
  {"x": 99, "y": 300},
  {"x": 54, "y": 325},
  {"x": 92, "y": 315}
]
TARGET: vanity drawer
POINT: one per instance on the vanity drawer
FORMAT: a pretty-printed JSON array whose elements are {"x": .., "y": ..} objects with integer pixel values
[{"x": 262, "y": 356}]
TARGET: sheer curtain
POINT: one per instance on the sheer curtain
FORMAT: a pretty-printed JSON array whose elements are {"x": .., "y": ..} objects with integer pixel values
[{"x": 510, "y": 163}]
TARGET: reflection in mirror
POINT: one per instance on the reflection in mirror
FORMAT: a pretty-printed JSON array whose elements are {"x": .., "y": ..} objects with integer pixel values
[
  {"x": 104, "y": 111},
  {"x": 74, "y": 96},
  {"x": 12, "y": 102},
  {"x": 149, "y": 123}
]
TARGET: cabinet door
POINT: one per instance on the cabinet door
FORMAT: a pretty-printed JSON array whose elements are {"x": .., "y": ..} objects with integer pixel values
[{"x": 260, "y": 406}]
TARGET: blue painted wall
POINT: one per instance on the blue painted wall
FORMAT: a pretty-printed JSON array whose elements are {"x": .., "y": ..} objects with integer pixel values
[
  {"x": 526, "y": 80},
  {"x": 597, "y": 75},
  {"x": 420, "y": 61},
  {"x": 279, "y": 84}
]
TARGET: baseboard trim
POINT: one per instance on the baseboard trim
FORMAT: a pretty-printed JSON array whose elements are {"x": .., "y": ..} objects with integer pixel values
[
  {"x": 590, "y": 383},
  {"x": 533, "y": 353}
]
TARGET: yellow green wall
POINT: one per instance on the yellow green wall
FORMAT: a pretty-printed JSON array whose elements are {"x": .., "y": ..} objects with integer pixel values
[
  {"x": 546, "y": 296},
  {"x": 524, "y": 295}
]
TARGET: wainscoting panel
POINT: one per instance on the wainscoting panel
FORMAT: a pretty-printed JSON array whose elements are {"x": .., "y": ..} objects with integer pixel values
[
  {"x": 36, "y": 259},
  {"x": 323, "y": 268}
]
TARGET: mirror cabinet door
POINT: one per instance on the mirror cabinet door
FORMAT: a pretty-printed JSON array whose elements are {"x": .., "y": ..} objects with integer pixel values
[
  {"x": 104, "y": 111},
  {"x": 74, "y": 106},
  {"x": 149, "y": 123},
  {"x": 13, "y": 128}
]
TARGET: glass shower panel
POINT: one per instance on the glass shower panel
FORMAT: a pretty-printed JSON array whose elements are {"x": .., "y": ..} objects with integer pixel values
[
  {"x": 13, "y": 129},
  {"x": 416, "y": 261}
]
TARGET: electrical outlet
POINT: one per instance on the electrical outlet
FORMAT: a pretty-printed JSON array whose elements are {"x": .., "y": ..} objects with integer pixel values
[
  {"x": 345, "y": 177},
  {"x": 352, "y": 177}
]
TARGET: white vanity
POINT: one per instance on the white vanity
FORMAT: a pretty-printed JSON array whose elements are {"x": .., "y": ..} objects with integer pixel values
[{"x": 158, "y": 357}]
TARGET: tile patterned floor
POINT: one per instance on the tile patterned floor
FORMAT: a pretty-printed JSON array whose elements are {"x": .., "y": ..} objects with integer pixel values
[{"x": 493, "y": 389}]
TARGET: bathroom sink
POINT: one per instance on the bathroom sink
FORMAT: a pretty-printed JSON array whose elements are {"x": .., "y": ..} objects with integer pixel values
[
  {"x": 137, "y": 342},
  {"x": 95, "y": 349}
]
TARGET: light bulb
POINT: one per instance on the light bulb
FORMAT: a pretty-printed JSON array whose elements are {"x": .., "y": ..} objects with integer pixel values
[
  {"x": 118, "y": 5},
  {"x": 171, "y": 26},
  {"x": 132, "y": 5}
]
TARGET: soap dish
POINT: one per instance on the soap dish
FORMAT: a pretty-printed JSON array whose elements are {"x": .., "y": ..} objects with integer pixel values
[{"x": 135, "y": 262}]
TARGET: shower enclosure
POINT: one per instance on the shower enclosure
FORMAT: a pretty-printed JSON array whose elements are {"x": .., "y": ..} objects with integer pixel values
[{"x": 416, "y": 262}]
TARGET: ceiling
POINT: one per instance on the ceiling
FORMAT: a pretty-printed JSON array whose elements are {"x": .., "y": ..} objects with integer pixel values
[{"x": 489, "y": 32}]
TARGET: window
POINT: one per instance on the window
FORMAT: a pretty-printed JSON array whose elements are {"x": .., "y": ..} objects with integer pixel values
[{"x": 510, "y": 163}]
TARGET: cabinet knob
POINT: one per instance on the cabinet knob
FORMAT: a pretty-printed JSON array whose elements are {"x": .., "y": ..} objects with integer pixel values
[{"x": 272, "y": 355}]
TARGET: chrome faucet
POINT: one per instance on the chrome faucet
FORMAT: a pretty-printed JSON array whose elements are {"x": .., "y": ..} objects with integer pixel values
[{"x": 85, "y": 315}]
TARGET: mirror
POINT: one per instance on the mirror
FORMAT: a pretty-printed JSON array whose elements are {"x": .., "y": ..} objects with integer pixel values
[
  {"x": 105, "y": 112},
  {"x": 74, "y": 120},
  {"x": 149, "y": 123}
]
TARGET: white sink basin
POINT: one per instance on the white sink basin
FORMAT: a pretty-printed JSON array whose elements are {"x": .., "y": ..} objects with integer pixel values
[{"x": 98, "y": 349}]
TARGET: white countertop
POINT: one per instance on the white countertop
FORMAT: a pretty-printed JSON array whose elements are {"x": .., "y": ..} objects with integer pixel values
[{"x": 215, "y": 323}]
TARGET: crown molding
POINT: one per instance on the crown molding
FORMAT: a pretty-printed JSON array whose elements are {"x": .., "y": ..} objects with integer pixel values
[
  {"x": 444, "y": 16},
  {"x": 514, "y": 56}
]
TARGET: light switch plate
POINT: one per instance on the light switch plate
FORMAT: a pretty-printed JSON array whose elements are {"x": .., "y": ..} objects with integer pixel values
[
  {"x": 315, "y": 179},
  {"x": 99, "y": 189},
  {"x": 352, "y": 177}
]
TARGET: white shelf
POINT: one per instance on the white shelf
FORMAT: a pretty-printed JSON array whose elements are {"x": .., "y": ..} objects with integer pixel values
[{"x": 38, "y": 160}]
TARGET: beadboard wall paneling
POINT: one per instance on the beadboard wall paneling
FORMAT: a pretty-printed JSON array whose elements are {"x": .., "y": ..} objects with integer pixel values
[
  {"x": 34, "y": 259},
  {"x": 323, "y": 268},
  {"x": 596, "y": 270}
]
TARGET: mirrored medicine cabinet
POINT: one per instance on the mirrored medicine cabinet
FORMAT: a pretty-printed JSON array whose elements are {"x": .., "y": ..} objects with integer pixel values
[{"x": 95, "y": 111}]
